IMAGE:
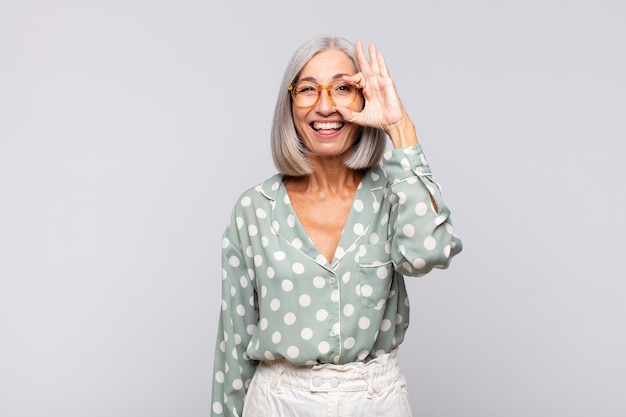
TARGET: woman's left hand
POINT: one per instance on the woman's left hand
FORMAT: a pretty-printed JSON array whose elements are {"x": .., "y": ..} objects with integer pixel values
[{"x": 383, "y": 108}]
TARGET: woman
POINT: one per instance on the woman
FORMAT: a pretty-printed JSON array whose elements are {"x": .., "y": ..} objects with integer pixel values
[{"x": 314, "y": 303}]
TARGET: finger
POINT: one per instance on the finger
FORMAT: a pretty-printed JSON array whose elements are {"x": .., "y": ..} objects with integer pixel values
[
  {"x": 374, "y": 65},
  {"x": 384, "y": 70},
  {"x": 348, "y": 115},
  {"x": 360, "y": 55},
  {"x": 356, "y": 79}
]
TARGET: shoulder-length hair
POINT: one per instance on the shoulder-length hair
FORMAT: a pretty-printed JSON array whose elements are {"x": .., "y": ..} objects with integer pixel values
[{"x": 287, "y": 149}]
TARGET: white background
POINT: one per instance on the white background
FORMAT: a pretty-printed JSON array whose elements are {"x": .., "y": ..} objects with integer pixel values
[{"x": 128, "y": 129}]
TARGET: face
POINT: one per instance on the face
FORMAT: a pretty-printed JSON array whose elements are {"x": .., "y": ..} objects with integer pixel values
[{"x": 321, "y": 128}]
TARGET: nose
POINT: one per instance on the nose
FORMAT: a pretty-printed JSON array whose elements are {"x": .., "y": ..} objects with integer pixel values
[{"x": 325, "y": 104}]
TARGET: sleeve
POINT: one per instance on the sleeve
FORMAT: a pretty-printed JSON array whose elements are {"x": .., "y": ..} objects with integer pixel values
[
  {"x": 421, "y": 232},
  {"x": 232, "y": 369}
]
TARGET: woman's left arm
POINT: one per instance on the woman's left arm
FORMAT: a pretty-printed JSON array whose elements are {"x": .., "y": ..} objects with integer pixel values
[{"x": 422, "y": 236}]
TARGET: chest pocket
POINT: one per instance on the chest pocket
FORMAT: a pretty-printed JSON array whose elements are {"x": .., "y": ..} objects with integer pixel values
[{"x": 375, "y": 271}]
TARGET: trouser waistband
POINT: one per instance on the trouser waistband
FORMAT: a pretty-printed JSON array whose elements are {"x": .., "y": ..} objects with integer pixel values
[{"x": 372, "y": 376}]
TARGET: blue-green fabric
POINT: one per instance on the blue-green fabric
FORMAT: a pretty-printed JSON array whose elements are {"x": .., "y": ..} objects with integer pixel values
[{"x": 281, "y": 299}]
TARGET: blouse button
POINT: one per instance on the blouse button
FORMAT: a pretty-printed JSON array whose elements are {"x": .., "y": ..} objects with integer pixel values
[{"x": 332, "y": 280}]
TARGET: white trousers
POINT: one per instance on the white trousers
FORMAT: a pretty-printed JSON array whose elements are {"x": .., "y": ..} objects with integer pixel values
[{"x": 374, "y": 389}]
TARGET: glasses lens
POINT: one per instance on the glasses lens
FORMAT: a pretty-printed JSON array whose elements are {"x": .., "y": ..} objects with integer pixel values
[
  {"x": 343, "y": 93},
  {"x": 305, "y": 94}
]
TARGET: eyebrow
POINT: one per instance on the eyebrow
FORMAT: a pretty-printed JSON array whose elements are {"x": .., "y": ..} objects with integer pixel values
[{"x": 313, "y": 79}]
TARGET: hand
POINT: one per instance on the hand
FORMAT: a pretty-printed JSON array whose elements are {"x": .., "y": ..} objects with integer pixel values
[{"x": 383, "y": 108}]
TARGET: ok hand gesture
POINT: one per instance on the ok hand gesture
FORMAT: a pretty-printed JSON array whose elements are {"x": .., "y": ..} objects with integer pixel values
[{"x": 383, "y": 108}]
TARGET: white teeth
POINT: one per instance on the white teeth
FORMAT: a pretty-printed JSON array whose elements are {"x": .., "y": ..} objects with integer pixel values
[{"x": 327, "y": 125}]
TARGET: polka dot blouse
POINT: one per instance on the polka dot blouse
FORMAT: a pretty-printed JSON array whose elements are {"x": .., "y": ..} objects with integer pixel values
[{"x": 281, "y": 298}]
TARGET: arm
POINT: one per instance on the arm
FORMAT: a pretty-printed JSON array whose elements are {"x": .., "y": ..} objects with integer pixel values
[
  {"x": 422, "y": 235},
  {"x": 238, "y": 319}
]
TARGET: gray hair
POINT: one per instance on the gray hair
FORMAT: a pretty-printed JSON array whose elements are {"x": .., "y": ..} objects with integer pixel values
[{"x": 287, "y": 148}]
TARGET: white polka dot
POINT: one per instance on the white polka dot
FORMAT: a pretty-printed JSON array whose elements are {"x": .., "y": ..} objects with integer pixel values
[
  {"x": 349, "y": 343},
  {"x": 263, "y": 291},
  {"x": 385, "y": 325},
  {"x": 304, "y": 300},
  {"x": 321, "y": 315},
  {"x": 297, "y": 243},
  {"x": 258, "y": 260},
  {"x": 243, "y": 281},
  {"x": 364, "y": 323},
  {"x": 277, "y": 337},
  {"x": 219, "y": 377},
  {"x": 401, "y": 198},
  {"x": 419, "y": 263},
  {"x": 440, "y": 219},
  {"x": 366, "y": 290},
  {"x": 405, "y": 163},
  {"x": 408, "y": 230},
  {"x": 237, "y": 384},
  {"x": 363, "y": 354},
  {"x": 279, "y": 255},
  {"x": 348, "y": 310},
  {"x": 269, "y": 356},
  {"x": 287, "y": 285},
  {"x": 358, "y": 205},
  {"x": 297, "y": 268},
  {"x": 430, "y": 243},
  {"x": 346, "y": 278},
  {"x": 324, "y": 347},
  {"x": 263, "y": 324},
  {"x": 260, "y": 213},
  {"x": 275, "y": 304},
  {"x": 217, "y": 408},
  {"x": 233, "y": 261},
  {"x": 291, "y": 221},
  {"x": 290, "y": 318},
  {"x": 270, "y": 272},
  {"x": 251, "y": 329},
  {"x": 421, "y": 209},
  {"x": 306, "y": 333},
  {"x": 382, "y": 272},
  {"x": 399, "y": 318},
  {"x": 319, "y": 282},
  {"x": 334, "y": 296},
  {"x": 358, "y": 229},
  {"x": 246, "y": 201},
  {"x": 293, "y": 352},
  {"x": 253, "y": 230},
  {"x": 446, "y": 251},
  {"x": 241, "y": 310}
]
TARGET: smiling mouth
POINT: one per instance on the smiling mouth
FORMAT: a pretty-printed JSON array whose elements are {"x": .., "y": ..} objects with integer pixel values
[{"x": 317, "y": 126}]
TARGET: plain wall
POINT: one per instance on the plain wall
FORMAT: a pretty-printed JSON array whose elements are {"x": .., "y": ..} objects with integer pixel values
[{"x": 128, "y": 129}]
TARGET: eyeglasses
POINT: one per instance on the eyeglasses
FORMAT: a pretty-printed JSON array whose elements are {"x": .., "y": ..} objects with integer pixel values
[{"x": 307, "y": 94}]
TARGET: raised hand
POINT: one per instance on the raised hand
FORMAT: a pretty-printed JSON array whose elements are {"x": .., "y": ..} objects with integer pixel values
[{"x": 383, "y": 108}]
